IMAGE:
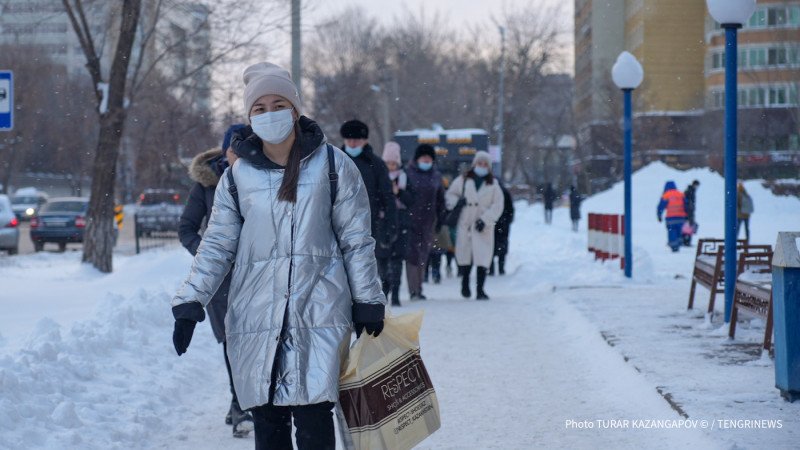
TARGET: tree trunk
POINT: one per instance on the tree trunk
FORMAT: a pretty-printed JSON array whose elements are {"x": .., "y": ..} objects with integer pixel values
[{"x": 98, "y": 241}]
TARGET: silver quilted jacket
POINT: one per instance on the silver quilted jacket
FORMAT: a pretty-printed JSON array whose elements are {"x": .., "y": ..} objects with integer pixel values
[{"x": 301, "y": 271}]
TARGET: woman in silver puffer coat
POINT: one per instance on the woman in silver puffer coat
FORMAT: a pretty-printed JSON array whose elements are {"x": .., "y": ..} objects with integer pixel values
[{"x": 305, "y": 269}]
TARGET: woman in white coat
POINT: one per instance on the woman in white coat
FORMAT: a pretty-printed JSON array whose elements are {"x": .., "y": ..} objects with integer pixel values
[{"x": 483, "y": 205}]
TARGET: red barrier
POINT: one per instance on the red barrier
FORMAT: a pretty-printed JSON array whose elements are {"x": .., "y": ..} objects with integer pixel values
[{"x": 606, "y": 236}]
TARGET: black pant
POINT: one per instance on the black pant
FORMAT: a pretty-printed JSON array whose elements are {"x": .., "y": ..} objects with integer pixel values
[
  {"x": 391, "y": 271},
  {"x": 314, "y": 423},
  {"x": 746, "y": 223},
  {"x": 548, "y": 215},
  {"x": 228, "y": 366}
]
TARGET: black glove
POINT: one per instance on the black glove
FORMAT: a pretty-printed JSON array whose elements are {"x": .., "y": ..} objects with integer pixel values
[
  {"x": 373, "y": 328},
  {"x": 479, "y": 225},
  {"x": 369, "y": 316},
  {"x": 659, "y": 218},
  {"x": 186, "y": 317}
]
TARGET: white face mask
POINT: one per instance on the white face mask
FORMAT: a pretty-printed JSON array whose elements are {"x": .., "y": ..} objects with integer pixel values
[
  {"x": 481, "y": 171},
  {"x": 353, "y": 151},
  {"x": 273, "y": 127}
]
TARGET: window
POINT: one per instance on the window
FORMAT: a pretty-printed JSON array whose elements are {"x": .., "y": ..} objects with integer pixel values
[
  {"x": 794, "y": 15},
  {"x": 757, "y": 57},
  {"x": 777, "y": 96},
  {"x": 776, "y": 56},
  {"x": 776, "y": 17},
  {"x": 758, "y": 19},
  {"x": 755, "y": 97}
]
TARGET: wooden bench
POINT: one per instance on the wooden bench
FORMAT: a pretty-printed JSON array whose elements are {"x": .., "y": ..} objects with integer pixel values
[
  {"x": 753, "y": 292},
  {"x": 709, "y": 267}
]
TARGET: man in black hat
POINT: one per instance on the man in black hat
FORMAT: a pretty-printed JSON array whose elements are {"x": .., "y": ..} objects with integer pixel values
[{"x": 376, "y": 179}]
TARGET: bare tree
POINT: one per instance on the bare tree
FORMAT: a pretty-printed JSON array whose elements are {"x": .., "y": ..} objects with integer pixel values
[{"x": 144, "y": 52}]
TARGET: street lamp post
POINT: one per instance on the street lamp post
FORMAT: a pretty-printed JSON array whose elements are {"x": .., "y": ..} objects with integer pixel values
[
  {"x": 731, "y": 14},
  {"x": 627, "y": 74}
]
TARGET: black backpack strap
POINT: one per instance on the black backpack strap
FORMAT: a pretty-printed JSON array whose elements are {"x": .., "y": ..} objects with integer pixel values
[
  {"x": 333, "y": 177},
  {"x": 234, "y": 192}
]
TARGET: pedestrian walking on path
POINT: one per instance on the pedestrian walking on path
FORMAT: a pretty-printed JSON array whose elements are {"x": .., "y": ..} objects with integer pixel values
[
  {"x": 293, "y": 215},
  {"x": 206, "y": 170},
  {"x": 390, "y": 261},
  {"x": 673, "y": 202},
  {"x": 690, "y": 196},
  {"x": 475, "y": 235},
  {"x": 501, "y": 233},
  {"x": 426, "y": 214},
  {"x": 575, "y": 200},
  {"x": 549, "y": 200},
  {"x": 744, "y": 208}
]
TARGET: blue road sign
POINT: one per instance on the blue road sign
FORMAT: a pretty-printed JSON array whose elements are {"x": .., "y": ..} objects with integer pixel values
[{"x": 6, "y": 100}]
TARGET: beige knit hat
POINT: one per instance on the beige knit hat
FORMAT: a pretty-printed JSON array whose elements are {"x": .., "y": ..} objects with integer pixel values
[
  {"x": 265, "y": 78},
  {"x": 482, "y": 156}
]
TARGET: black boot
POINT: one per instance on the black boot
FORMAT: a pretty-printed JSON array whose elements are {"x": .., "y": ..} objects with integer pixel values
[
  {"x": 465, "y": 292},
  {"x": 242, "y": 421},
  {"x": 396, "y": 296},
  {"x": 501, "y": 264},
  {"x": 481, "y": 280},
  {"x": 491, "y": 268}
]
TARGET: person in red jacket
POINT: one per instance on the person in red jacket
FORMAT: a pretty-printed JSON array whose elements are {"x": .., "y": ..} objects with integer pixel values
[{"x": 674, "y": 203}]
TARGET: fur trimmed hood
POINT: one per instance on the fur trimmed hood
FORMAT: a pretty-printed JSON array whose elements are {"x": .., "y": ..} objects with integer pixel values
[{"x": 202, "y": 170}]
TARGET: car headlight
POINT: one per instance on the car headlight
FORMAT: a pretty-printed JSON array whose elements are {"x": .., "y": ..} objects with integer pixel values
[{"x": 29, "y": 211}]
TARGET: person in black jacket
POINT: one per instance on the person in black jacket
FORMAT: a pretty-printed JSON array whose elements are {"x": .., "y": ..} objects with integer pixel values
[
  {"x": 575, "y": 200},
  {"x": 390, "y": 264},
  {"x": 206, "y": 170},
  {"x": 549, "y": 199},
  {"x": 379, "y": 188},
  {"x": 501, "y": 231},
  {"x": 690, "y": 203}
]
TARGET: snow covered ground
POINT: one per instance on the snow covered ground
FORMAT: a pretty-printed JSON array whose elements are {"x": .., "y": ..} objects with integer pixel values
[{"x": 86, "y": 360}]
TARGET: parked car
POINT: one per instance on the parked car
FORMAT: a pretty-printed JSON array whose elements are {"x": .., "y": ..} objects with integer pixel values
[
  {"x": 159, "y": 210},
  {"x": 61, "y": 221},
  {"x": 26, "y": 203},
  {"x": 9, "y": 232}
]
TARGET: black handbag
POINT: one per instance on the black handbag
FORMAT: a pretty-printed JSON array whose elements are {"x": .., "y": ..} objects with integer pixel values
[{"x": 451, "y": 219}]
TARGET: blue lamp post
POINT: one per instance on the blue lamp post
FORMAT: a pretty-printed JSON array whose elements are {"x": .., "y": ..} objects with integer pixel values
[
  {"x": 627, "y": 74},
  {"x": 731, "y": 14}
]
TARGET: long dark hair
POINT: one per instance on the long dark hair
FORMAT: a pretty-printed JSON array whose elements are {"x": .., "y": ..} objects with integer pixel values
[{"x": 288, "y": 189}]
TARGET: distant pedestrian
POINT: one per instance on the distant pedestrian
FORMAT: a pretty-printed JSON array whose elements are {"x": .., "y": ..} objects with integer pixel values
[
  {"x": 549, "y": 199},
  {"x": 375, "y": 175},
  {"x": 441, "y": 245},
  {"x": 690, "y": 195},
  {"x": 673, "y": 202},
  {"x": 744, "y": 208},
  {"x": 426, "y": 214},
  {"x": 475, "y": 235},
  {"x": 501, "y": 232},
  {"x": 575, "y": 200},
  {"x": 390, "y": 261},
  {"x": 206, "y": 170}
]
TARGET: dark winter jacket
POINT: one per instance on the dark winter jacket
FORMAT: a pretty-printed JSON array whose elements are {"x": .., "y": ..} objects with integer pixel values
[
  {"x": 575, "y": 200},
  {"x": 425, "y": 213},
  {"x": 503, "y": 226},
  {"x": 689, "y": 196},
  {"x": 381, "y": 200},
  {"x": 203, "y": 171},
  {"x": 549, "y": 197},
  {"x": 405, "y": 198}
]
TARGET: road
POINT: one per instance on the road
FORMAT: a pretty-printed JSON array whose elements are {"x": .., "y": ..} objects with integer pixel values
[{"x": 126, "y": 244}]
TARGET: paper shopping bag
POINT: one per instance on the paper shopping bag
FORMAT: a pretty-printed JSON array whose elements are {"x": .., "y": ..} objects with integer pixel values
[{"x": 385, "y": 393}]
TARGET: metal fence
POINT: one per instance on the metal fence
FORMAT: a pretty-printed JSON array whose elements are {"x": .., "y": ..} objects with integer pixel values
[{"x": 148, "y": 239}]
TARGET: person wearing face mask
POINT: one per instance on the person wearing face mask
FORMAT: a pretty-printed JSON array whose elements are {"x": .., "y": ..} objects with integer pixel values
[
  {"x": 376, "y": 179},
  {"x": 390, "y": 262},
  {"x": 291, "y": 217},
  {"x": 475, "y": 231},
  {"x": 426, "y": 215},
  {"x": 206, "y": 170}
]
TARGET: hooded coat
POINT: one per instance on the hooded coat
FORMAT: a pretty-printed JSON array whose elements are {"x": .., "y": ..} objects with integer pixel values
[
  {"x": 203, "y": 171},
  {"x": 426, "y": 211},
  {"x": 303, "y": 272},
  {"x": 486, "y": 203}
]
